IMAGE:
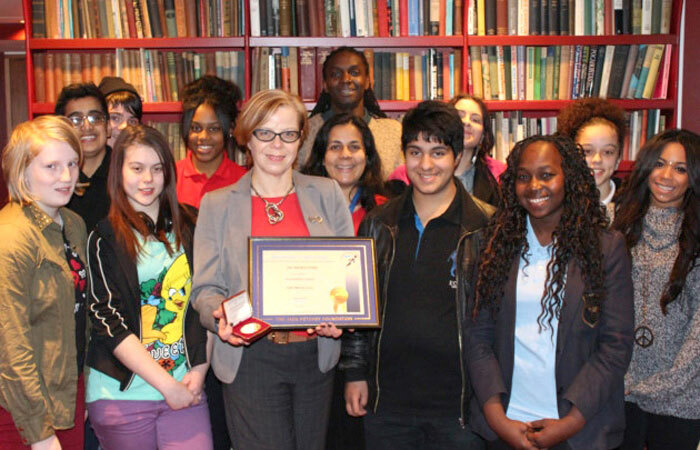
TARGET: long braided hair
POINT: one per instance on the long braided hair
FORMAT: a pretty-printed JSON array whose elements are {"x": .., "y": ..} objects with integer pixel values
[
  {"x": 577, "y": 236},
  {"x": 369, "y": 99}
]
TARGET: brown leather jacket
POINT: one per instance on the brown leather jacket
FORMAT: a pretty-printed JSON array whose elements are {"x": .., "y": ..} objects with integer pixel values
[{"x": 38, "y": 370}]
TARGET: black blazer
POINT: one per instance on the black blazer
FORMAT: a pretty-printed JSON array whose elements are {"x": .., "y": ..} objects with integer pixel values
[{"x": 591, "y": 361}]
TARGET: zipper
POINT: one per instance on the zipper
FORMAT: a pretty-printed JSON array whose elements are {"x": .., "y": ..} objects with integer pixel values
[
  {"x": 184, "y": 321},
  {"x": 459, "y": 332},
  {"x": 381, "y": 330},
  {"x": 131, "y": 378}
]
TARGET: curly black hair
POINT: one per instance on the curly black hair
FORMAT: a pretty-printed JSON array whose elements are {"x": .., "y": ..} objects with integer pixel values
[
  {"x": 369, "y": 100},
  {"x": 590, "y": 111},
  {"x": 370, "y": 182},
  {"x": 634, "y": 201},
  {"x": 223, "y": 97},
  {"x": 577, "y": 236}
]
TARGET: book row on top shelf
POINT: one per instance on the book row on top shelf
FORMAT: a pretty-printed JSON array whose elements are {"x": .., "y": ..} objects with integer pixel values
[
  {"x": 447, "y": 17},
  {"x": 88, "y": 19},
  {"x": 564, "y": 17},
  {"x": 137, "y": 19}
]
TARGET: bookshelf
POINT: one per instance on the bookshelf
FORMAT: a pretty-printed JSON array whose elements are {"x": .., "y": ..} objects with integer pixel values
[{"x": 461, "y": 42}]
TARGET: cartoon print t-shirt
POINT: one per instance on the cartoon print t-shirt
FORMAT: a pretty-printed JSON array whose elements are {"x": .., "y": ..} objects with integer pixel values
[{"x": 165, "y": 282}]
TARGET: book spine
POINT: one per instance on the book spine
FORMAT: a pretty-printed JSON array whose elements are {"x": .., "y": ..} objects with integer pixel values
[
  {"x": 491, "y": 17},
  {"x": 653, "y": 71},
  {"x": 534, "y": 15},
  {"x": 501, "y": 17},
  {"x": 554, "y": 17},
  {"x": 629, "y": 70},
  {"x": 661, "y": 90}
]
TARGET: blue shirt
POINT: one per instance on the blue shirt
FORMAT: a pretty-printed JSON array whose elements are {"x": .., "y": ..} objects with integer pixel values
[{"x": 534, "y": 392}]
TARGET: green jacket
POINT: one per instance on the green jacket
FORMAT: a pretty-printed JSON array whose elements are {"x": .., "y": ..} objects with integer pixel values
[{"x": 38, "y": 368}]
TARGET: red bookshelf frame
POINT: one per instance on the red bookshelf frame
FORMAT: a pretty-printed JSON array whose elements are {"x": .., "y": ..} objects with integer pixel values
[{"x": 463, "y": 42}]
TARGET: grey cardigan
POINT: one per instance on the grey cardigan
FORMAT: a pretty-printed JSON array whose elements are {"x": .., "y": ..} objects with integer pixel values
[{"x": 221, "y": 254}]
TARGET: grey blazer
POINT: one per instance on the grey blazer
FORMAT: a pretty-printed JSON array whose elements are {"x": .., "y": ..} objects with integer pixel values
[
  {"x": 221, "y": 254},
  {"x": 591, "y": 360}
]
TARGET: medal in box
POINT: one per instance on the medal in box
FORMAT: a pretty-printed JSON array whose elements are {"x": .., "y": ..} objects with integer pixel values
[{"x": 239, "y": 314}]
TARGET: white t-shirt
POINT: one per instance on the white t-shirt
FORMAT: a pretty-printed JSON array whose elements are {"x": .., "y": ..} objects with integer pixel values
[{"x": 534, "y": 392}]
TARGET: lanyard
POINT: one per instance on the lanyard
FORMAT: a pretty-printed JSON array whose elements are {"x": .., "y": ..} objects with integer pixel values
[{"x": 355, "y": 200}]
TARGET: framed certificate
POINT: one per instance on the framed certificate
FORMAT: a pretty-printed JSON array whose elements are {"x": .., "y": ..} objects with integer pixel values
[{"x": 301, "y": 282}]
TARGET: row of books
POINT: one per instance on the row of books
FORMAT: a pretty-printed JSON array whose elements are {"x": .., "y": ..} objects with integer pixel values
[
  {"x": 158, "y": 75},
  {"x": 563, "y": 17},
  {"x": 569, "y": 72},
  {"x": 171, "y": 131},
  {"x": 356, "y": 17},
  {"x": 508, "y": 129},
  {"x": 72, "y": 19},
  {"x": 419, "y": 74},
  {"x": 512, "y": 127}
]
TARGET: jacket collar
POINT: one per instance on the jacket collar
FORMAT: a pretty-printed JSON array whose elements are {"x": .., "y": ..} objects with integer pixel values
[
  {"x": 308, "y": 194},
  {"x": 37, "y": 216}
]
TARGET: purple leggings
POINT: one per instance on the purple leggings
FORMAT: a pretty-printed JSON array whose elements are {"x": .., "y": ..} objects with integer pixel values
[{"x": 150, "y": 425}]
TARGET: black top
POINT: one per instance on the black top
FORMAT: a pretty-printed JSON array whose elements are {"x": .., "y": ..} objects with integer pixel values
[
  {"x": 77, "y": 269},
  {"x": 420, "y": 371},
  {"x": 93, "y": 204}
]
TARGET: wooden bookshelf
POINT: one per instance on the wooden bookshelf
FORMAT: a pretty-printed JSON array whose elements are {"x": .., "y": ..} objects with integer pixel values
[{"x": 462, "y": 42}]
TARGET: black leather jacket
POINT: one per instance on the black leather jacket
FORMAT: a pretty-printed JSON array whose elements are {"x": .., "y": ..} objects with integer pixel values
[{"x": 361, "y": 350}]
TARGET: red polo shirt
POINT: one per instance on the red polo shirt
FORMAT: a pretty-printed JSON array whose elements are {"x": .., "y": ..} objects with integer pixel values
[{"x": 192, "y": 185}]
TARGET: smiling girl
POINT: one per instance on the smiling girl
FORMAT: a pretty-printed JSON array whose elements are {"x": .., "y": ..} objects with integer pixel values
[
  {"x": 147, "y": 354},
  {"x": 209, "y": 114},
  {"x": 42, "y": 290},
  {"x": 552, "y": 335},
  {"x": 599, "y": 127},
  {"x": 659, "y": 214}
]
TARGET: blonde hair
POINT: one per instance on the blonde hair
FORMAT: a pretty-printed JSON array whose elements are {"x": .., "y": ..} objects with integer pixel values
[
  {"x": 261, "y": 107},
  {"x": 28, "y": 139}
]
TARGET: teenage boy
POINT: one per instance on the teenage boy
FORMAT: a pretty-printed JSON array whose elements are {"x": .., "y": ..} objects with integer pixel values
[
  {"x": 347, "y": 89},
  {"x": 86, "y": 108},
  {"x": 123, "y": 103},
  {"x": 427, "y": 242}
]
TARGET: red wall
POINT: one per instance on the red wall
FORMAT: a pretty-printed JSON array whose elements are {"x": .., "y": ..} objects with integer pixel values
[{"x": 691, "y": 69}]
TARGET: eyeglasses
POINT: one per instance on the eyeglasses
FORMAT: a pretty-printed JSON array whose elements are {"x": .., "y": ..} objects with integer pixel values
[
  {"x": 288, "y": 136},
  {"x": 93, "y": 118},
  {"x": 118, "y": 119}
]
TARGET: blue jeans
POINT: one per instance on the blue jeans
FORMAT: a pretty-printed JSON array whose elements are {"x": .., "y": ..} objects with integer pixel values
[{"x": 403, "y": 432}]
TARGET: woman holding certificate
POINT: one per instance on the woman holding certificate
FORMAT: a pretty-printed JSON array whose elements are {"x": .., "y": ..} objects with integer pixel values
[{"x": 277, "y": 389}]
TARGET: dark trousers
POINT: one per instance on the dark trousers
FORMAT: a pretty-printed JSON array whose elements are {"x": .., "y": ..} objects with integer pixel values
[
  {"x": 658, "y": 432},
  {"x": 344, "y": 431},
  {"x": 279, "y": 400},
  {"x": 217, "y": 415},
  {"x": 384, "y": 431}
]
